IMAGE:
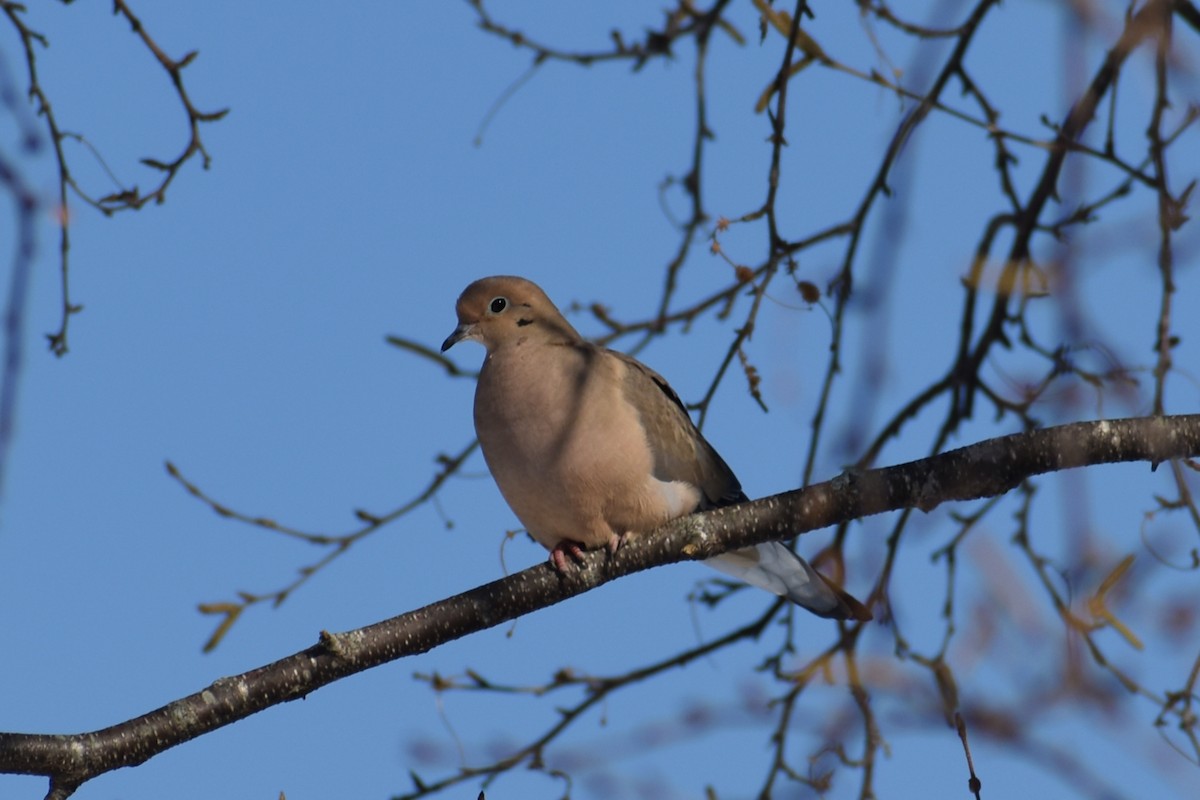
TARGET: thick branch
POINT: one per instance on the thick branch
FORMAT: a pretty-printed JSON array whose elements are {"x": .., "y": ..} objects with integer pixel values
[{"x": 981, "y": 470}]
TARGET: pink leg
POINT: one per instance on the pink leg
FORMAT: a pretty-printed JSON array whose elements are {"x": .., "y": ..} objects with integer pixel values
[
  {"x": 562, "y": 551},
  {"x": 567, "y": 553}
]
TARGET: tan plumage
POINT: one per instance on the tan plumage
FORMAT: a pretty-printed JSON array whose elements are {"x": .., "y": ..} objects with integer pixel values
[{"x": 588, "y": 445}]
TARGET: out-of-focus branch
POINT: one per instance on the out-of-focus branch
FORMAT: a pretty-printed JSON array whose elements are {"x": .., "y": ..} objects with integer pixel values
[
  {"x": 25, "y": 208},
  {"x": 125, "y": 198}
]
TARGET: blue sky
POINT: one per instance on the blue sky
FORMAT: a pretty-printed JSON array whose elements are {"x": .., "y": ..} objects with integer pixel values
[{"x": 239, "y": 330}]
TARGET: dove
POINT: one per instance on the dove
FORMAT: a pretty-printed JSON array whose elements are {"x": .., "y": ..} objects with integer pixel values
[{"x": 588, "y": 445}]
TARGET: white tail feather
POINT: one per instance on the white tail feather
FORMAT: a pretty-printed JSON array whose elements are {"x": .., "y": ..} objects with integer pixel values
[{"x": 772, "y": 566}]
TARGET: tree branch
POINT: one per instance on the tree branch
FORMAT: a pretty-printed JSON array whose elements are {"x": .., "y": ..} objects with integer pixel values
[{"x": 981, "y": 470}]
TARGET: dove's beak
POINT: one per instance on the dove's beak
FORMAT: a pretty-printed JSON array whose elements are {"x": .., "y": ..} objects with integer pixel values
[{"x": 465, "y": 330}]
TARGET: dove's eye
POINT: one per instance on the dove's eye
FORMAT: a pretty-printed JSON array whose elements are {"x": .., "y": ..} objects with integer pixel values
[{"x": 498, "y": 304}]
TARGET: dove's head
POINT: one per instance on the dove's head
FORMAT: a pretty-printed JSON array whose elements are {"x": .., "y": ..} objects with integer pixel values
[{"x": 501, "y": 309}]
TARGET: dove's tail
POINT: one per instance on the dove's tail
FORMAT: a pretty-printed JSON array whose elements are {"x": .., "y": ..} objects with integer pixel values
[{"x": 772, "y": 566}]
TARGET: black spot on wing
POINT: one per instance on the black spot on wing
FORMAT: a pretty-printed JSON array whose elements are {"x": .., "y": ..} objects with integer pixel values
[{"x": 681, "y": 451}]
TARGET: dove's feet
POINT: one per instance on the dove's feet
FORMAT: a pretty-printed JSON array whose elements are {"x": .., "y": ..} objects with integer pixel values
[{"x": 566, "y": 554}]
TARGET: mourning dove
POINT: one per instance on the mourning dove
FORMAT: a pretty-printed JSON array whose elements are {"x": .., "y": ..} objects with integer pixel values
[{"x": 588, "y": 445}]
